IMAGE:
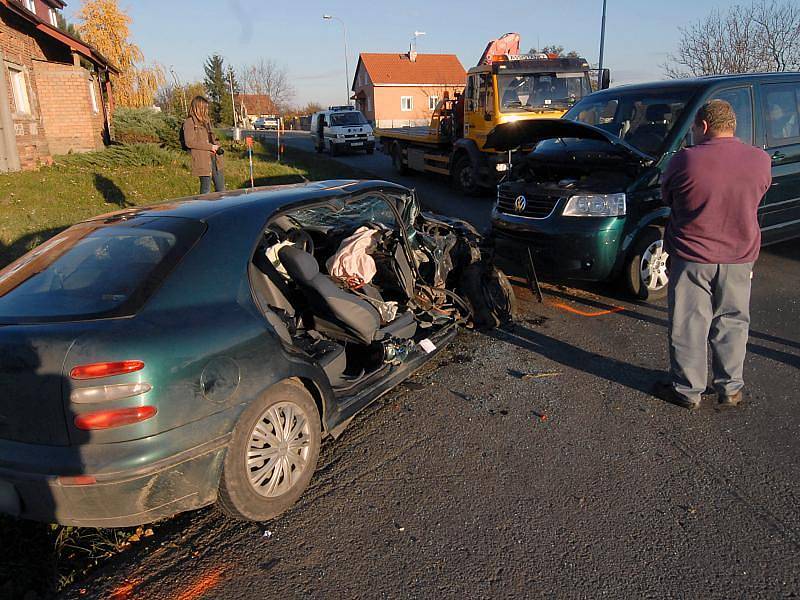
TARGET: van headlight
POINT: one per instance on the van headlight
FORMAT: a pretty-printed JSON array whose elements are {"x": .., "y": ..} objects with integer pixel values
[{"x": 595, "y": 205}]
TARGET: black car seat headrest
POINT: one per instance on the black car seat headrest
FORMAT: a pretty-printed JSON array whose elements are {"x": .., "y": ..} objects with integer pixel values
[{"x": 299, "y": 264}]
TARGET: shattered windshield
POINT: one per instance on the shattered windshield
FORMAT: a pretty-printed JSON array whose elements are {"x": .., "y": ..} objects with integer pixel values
[
  {"x": 539, "y": 91},
  {"x": 643, "y": 118},
  {"x": 367, "y": 209},
  {"x": 352, "y": 117}
]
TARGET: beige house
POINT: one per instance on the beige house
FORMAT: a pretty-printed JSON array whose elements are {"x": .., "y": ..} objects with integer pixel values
[{"x": 398, "y": 90}]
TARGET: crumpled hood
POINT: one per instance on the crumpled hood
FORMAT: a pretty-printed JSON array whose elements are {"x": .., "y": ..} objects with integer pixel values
[{"x": 508, "y": 136}]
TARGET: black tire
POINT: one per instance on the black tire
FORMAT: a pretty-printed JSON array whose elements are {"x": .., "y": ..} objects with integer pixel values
[
  {"x": 333, "y": 149},
  {"x": 489, "y": 294},
  {"x": 238, "y": 497},
  {"x": 370, "y": 150},
  {"x": 639, "y": 259},
  {"x": 319, "y": 148},
  {"x": 464, "y": 177},
  {"x": 397, "y": 159}
]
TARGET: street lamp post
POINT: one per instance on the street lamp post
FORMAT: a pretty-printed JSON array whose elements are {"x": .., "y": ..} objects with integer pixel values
[
  {"x": 602, "y": 47},
  {"x": 346, "y": 67}
]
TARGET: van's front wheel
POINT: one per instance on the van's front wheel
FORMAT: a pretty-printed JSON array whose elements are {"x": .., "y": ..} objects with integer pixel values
[{"x": 646, "y": 272}]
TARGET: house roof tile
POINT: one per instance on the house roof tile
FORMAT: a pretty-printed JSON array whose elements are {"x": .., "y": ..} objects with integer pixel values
[{"x": 427, "y": 69}]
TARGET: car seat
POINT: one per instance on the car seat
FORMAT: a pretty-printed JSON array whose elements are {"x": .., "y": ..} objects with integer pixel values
[
  {"x": 336, "y": 312},
  {"x": 649, "y": 136}
]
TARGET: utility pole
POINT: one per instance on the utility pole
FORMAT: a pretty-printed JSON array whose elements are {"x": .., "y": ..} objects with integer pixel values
[
  {"x": 233, "y": 102},
  {"x": 602, "y": 47},
  {"x": 346, "y": 67}
]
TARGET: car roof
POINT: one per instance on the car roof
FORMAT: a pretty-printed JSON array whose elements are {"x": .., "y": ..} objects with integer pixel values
[
  {"x": 702, "y": 82},
  {"x": 262, "y": 200}
]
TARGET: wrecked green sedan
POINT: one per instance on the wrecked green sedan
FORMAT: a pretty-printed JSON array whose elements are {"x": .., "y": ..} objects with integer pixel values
[{"x": 160, "y": 359}]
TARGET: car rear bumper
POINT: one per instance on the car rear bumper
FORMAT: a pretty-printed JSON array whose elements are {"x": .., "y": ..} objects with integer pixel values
[
  {"x": 128, "y": 490},
  {"x": 572, "y": 248}
]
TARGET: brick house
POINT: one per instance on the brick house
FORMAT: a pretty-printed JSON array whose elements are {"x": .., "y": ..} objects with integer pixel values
[
  {"x": 55, "y": 90},
  {"x": 252, "y": 106},
  {"x": 396, "y": 90}
]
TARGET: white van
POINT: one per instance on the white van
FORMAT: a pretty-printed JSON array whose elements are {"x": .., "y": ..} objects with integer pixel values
[{"x": 341, "y": 128}]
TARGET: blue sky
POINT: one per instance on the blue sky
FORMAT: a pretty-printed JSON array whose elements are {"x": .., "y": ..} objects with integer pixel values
[{"x": 638, "y": 33}]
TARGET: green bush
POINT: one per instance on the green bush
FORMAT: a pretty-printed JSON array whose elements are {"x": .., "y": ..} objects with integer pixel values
[
  {"x": 134, "y": 155},
  {"x": 146, "y": 126}
]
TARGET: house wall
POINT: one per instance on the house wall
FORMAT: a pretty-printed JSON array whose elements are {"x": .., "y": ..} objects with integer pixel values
[
  {"x": 387, "y": 104},
  {"x": 19, "y": 52},
  {"x": 71, "y": 122},
  {"x": 61, "y": 118}
]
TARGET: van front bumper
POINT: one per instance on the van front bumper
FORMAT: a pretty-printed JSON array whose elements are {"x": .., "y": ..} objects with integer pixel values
[
  {"x": 354, "y": 145},
  {"x": 582, "y": 248}
]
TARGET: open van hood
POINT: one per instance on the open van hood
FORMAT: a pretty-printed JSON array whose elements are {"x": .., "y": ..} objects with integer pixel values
[{"x": 508, "y": 136}]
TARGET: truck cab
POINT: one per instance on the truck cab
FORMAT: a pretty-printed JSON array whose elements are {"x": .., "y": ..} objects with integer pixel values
[
  {"x": 341, "y": 129},
  {"x": 516, "y": 88}
]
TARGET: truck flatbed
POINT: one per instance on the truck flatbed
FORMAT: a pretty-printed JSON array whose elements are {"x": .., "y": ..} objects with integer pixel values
[{"x": 416, "y": 135}]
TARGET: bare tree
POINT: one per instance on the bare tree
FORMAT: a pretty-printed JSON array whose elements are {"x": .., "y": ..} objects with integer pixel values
[
  {"x": 762, "y": 36},
  {"x": 266, "y": 77}
]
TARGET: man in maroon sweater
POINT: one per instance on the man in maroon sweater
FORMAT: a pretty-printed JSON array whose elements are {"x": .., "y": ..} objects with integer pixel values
[{"x": 713, "y": 238}]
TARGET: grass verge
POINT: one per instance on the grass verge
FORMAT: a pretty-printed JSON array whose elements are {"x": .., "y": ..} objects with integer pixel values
[
  {"x": 35, "y": 205},
  {"x": 37, "y": 560}
]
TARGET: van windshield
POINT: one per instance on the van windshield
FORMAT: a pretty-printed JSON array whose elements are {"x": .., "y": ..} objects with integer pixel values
[
  {"x": 643, "y": 118},
  {"x": 351, "y": 117},
  {"x": 94, "y": 269}
]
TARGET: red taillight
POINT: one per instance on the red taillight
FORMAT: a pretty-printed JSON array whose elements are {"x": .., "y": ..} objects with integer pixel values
[
  {"x": 107, "y": 419},
  {"x": 106, "y": 369},
  {"x": 77, "y": 480}
]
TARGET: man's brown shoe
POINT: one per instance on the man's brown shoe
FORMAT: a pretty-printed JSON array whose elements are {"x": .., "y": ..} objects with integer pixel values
[
  {"x": 730, "y": 401},
  {"x": 665, "y": 391}
]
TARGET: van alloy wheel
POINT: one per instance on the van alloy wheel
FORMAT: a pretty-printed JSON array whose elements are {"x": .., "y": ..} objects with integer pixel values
[
  {"x": 653, "y": 266},
  {"x": 277, "y": 454}
]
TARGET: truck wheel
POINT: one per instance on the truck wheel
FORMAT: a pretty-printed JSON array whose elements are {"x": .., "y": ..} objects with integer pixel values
[
  {"x": 646, "y": 271},
  {"x": 333, "y": 149},
  {"x": 465, "y": 178},
  {"x": 397, "y": 159},
  {"x": 272, "y": 454}
]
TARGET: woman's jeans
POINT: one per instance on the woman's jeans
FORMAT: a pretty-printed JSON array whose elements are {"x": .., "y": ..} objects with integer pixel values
[{"x": 216, "y": 175}]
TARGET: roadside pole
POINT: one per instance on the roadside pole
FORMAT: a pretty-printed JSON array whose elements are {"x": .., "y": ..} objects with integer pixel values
[
  {"x": 249, "y": 140},
  {"x": 602, "y": 47}
]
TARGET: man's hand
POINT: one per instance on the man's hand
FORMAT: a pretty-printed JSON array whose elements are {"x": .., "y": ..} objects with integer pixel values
[{"x": 214, "y": 148}]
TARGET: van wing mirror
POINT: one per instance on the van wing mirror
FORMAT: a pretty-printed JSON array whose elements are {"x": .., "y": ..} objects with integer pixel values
[{"x": 605, "y": 79}]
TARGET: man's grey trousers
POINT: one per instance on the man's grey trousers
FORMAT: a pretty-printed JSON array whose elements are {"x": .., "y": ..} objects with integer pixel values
[{"x": 708, "y": 304}]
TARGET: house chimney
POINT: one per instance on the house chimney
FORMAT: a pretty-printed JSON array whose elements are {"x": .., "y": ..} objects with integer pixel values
[{"x": 412, "y": 52}]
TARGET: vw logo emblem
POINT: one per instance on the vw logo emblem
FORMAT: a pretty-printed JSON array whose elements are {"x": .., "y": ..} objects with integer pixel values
[{"x": 520, "y": 202}]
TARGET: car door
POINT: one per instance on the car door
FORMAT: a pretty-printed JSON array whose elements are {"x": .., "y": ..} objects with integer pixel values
[{"x": 780, "y": 105}]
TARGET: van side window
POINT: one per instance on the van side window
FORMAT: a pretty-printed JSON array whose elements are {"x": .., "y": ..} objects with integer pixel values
[
  {"x": 782, "y": 114},
  {"x": 741, "y": 100}
]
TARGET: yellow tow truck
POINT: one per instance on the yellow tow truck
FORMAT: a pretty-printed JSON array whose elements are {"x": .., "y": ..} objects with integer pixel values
[{"x": 504, "y": 87}]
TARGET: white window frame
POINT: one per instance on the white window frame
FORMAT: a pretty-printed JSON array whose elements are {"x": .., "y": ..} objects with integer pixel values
[
  {"x": 433, "y": 102},
  {"x": 406, "y": 103},
  {"x": 19, "y": 89},
  {"x": 30, "y": 5},
  {"x": 93, "y": 96},
  {"x": 53, "y": 17}
]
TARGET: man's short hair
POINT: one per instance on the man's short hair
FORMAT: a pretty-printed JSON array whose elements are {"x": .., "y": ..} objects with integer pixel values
[{"x": 719, "y": 115}]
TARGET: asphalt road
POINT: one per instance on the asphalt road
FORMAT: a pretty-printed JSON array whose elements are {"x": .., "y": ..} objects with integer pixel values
[{"x": 529, "y": 462}]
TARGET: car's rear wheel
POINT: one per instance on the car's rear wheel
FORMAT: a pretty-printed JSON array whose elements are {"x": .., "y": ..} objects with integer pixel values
[
  {"x": 489, "y": 294},
  {"x": 272, "y": 455},
  {"x": 646, "y": 272}
]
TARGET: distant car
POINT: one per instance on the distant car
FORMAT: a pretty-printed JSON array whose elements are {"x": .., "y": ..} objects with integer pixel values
[
  {"x": 156, "y": 360},
  {"x": 266, "y": 123}
]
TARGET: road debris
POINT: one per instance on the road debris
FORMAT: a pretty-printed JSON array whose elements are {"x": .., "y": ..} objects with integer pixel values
[{"x": 267, "y": 534}]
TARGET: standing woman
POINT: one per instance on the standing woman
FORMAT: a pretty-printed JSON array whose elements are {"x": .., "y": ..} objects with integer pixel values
[{"x": 206, "y": 154}]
